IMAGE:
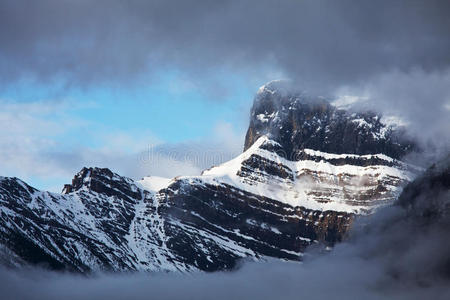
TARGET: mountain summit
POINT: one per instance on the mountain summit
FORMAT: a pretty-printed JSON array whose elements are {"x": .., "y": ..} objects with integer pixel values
[{"x": 298, "y": 121}]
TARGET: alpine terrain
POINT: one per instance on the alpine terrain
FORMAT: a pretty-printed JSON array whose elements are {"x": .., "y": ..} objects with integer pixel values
[{"x": 308, "y": 168}]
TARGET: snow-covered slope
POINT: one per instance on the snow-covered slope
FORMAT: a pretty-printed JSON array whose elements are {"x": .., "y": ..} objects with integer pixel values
[
  {"x": 314, "y": 183},
  {"x": 87, "y": 229},
  {"x": 154, "y": 183}
]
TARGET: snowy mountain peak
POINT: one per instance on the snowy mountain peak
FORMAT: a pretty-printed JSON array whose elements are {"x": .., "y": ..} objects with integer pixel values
[
  {"x": 154, "y": 183},
  {"x": 101, "y": 180},
  {"x": 86, "y": 178},
  {"x": 299, "y": 121}
]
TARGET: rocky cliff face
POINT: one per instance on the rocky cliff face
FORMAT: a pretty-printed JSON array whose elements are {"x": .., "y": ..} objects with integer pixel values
[
  {"x": 307, "y": 170},
  {"x": 428, "y": 197},
  {"x": 298, "y": 121}
]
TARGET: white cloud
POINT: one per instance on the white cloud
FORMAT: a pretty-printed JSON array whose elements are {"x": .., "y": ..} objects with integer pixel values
[
  {"x": 192, "y": 157},
  {"x": 35, "y": 144},
  {"x": 447, "y": 106},
  {"x": 30, "y": 129},
  {"x": 416, "y": 97}
]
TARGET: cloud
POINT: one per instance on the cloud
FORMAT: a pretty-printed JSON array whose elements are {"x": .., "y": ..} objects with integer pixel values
[
  {"x": 395, "y": 52},
  {"x": 192, "y": 157},
  {"x": 41, "y": 143},
  {"x": 321, "y": 43},
  {"x": 30, "y": 129},
  {"x": 416, "y": 99}
]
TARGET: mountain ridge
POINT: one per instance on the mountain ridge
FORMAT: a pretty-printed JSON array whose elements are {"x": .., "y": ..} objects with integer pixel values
[{"x": 274, "y": 200}]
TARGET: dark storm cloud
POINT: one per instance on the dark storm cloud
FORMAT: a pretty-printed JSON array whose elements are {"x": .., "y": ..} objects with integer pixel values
[{"x": 323, "y": 44}]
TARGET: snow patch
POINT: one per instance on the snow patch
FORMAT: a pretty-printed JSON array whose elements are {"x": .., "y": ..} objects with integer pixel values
[
  {"x": 154, "y": 183},
  {"x": 345, "y": 101}
]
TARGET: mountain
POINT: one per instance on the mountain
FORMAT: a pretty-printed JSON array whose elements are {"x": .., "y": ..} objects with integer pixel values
[{"x": 308, "y": 168}]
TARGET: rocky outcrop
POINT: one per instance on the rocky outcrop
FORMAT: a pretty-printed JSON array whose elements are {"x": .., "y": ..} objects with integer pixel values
[
  {"x": 102, "y": 180},
  {"x": 429, "y": 194},
  {"x": 298, "y": 121}
]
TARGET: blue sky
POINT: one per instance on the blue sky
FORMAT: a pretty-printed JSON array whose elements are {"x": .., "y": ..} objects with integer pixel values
[
  {"x": 119, "y": 121},
  {"x": 173, "y": 108}
]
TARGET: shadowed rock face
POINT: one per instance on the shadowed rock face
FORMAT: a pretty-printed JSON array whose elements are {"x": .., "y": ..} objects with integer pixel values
[
  {"x": 298, "y": 121},
  {"x": 228, "y": 224},
  {"x": 428, "y": 196},
  {"x": 101, "y": 180},
  {"x": 307, "y": 171}
]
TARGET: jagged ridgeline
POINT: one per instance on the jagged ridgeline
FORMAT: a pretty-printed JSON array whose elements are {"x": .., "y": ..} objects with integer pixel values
[{"x": 307, "y": 169}]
